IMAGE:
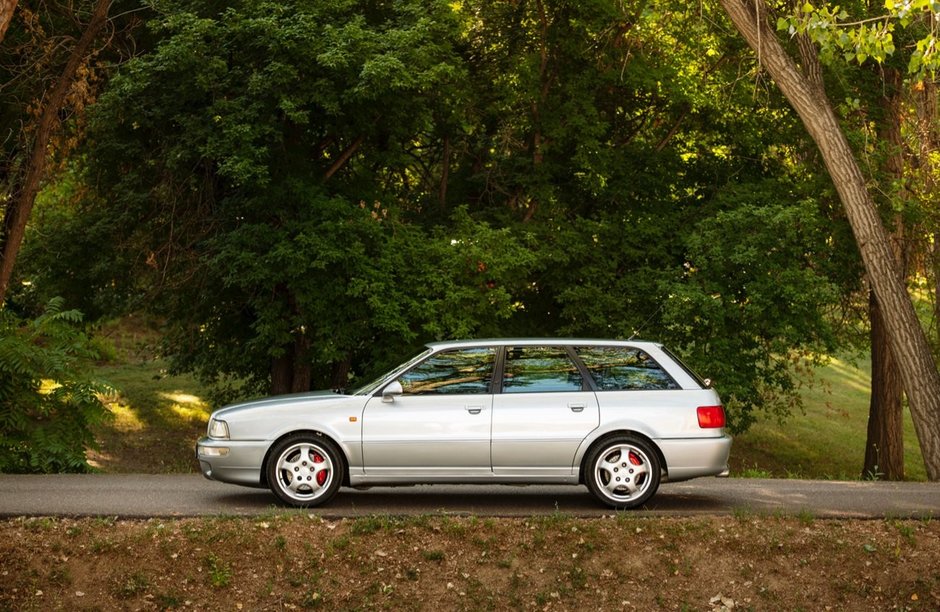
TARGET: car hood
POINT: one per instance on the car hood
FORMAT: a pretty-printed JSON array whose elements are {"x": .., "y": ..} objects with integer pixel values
[{"x": 280, "y": 401}]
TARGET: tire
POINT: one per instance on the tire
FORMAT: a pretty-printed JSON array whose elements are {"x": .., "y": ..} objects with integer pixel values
[
  {"x": 622, "y": 471},
  {"x": 305, "y": 470}
]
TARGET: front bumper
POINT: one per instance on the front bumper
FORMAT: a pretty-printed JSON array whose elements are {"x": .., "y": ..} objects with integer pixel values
[{"x": 233, "y": 461}]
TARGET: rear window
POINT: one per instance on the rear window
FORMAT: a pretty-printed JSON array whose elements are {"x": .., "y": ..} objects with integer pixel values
[
  {"x": 701, "y": 381},
  {"x": 616, "y": 368}
]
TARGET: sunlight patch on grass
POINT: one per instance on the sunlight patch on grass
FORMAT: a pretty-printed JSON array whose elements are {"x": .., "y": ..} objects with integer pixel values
[
  {"x": 183, "y": 398},
  {"x": 850, "y": 376},
  {"x": 125, "y": 417},
  {"x": 186, "y": 406}
]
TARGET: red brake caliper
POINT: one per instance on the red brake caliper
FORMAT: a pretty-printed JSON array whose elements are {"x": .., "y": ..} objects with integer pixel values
[
  {"x": 322, "y": 474},
  {"x": 634, "y": 458}
]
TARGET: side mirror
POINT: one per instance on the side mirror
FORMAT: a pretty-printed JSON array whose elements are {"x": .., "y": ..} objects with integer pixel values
[{"x": 391, "y": 390}]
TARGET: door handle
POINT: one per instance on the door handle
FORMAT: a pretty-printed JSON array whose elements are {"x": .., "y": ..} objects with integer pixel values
[
  {"x": 474, "y": 409},
  {"x": 576, "y": 407}
]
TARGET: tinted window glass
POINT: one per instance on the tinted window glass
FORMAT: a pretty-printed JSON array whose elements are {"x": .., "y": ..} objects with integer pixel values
[
  {"x": 540, "y": 369},
  {"x": 618, "y": 369},
  {"x": 458, "y": 371}
]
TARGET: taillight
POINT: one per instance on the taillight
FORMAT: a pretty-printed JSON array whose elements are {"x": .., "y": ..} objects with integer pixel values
[{"x": 711, "y": 417}]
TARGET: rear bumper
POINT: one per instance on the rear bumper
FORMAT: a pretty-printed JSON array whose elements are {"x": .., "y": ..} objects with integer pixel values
[{"x": 691, "y": 458}]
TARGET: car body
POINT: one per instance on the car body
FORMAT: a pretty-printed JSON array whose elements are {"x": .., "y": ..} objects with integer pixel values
[{"x": 617, "y": 416}]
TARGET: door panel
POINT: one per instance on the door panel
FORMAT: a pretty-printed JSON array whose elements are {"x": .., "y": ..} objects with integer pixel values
[
  {"x": 542, "y": 413},
  {"x": 427, "y": 434},
  {"x": 440, "y": 424},
  {"x": 539, "y": 433}
]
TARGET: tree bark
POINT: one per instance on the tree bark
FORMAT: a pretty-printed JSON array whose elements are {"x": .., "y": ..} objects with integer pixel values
[
  {"x": 906, "y": 337},
  {"x": 7, "y": 8},
  {"x": 291, "y": 372},
  {"x": 282, "y": 372},
  {"x": 302, "y": 371},
  {"x": 445, "y": 174},
  {"x": 343, "y": 158},
  {"x": 24, "y": 193},
  {"x": 340, "y": 377},
  {"x": 884, "y": 448},
  {"x": 928, "y": 135}
]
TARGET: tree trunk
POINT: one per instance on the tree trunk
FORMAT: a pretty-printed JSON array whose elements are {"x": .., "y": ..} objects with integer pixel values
[
  {"x": 928, "y": 135},
  {"x": 884, "y": 448},
  {"x": 291, "y": 372},
  {"x": 340, "y": 376},
  {"x": 24, "y": 193},
  {"x": 302, "y": 370},
  {"x": 906, "y": 337},
  {"x": 7, "y": 8},
  {"x": 282, "y": 373}
]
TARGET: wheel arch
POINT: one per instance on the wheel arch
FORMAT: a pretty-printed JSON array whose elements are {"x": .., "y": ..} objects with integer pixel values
[
  {"x": 602, "y": 439},
  {"x": 301, "y": 432}
]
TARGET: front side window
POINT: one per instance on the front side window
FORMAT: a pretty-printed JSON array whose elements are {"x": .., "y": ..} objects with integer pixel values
[
  {"x": 617, "y": 368},
  {"x": 540, "y": 369},
  {"x": 450, "y": 372}
]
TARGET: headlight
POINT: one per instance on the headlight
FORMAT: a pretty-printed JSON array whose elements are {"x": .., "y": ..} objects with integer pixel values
[{"x": 218, "y": 429}]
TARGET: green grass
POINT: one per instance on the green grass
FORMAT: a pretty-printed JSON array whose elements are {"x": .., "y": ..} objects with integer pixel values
[
  {"x": 157, "y": 420},
  {"x": 828, "y": 440}
]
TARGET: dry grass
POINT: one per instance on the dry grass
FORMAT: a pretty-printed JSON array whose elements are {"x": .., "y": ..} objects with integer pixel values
[{"x": 295, "y": 561}]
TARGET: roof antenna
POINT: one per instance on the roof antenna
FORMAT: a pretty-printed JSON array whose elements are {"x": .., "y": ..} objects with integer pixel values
[{"x": 648, "y": 319}]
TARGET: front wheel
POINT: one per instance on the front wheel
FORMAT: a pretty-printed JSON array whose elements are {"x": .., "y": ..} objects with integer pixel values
[
  {"x": 622, "y": 471},
  {"x": 305, "y": 470}
]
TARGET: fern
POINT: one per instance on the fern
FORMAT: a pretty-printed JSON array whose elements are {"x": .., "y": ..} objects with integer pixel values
[{"x": 47, "y": 431}]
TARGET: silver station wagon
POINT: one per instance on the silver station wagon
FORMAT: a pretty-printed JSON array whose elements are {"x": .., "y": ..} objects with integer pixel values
[{"x": 617, "y": 416}]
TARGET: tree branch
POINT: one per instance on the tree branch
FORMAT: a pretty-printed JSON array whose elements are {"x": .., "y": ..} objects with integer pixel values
[{"x": 24, "y": 196}]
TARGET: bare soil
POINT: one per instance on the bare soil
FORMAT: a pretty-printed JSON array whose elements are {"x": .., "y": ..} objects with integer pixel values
[{"x": 294, "y": 561}]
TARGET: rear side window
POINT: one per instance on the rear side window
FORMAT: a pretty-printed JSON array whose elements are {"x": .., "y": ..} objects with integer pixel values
[
  {"x": 540, "y": 369},
  {"x": 616, "y": 368}
]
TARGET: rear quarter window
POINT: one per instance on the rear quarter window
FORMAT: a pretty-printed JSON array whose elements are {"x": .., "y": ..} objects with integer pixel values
[{"x": 616, "y": 368}]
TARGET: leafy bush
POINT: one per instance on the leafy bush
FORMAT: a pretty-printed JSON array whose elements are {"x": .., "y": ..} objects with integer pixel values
[{"x": 47, "y": 403}]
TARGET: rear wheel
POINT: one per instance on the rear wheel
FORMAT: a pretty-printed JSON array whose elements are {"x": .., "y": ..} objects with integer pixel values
[
  {"x": 623, "y": 471},
  {"x": 305, "y": 470}
]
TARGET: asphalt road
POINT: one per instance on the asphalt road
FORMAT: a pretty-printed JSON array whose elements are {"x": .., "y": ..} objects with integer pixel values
[{"x": 141, "y": 496}]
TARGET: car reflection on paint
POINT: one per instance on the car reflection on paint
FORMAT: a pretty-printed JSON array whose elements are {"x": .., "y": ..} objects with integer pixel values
[{"x": 619, "y": 417}]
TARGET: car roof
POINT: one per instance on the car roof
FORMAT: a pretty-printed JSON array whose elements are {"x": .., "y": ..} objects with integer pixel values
[{"x": 641, "y": 344}]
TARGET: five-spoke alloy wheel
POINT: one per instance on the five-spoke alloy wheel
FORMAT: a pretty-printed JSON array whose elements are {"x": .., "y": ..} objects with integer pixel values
[
  {"x": 305, "y": 470},
  {"x": 622, "y": 471}
]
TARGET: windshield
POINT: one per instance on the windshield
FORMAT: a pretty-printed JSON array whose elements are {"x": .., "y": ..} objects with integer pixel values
[{"x": 373, "y": 386}]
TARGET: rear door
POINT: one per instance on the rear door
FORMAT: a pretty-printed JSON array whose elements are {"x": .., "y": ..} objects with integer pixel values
[{"x": 542, "y": 412}]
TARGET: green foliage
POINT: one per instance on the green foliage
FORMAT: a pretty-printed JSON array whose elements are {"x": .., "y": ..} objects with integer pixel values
[
  {"x": 47, "y": 405},
  {"x": 860, "y": 36},
  {"x": 761, "y": 266},
  {"x": 71, "y": 251},
  {"x": 329, "y": 185},
  {"x": 220, "y": 572}
]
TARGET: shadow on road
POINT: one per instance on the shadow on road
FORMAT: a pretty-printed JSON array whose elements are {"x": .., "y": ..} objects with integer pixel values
[{"x": 451, "y": 501}]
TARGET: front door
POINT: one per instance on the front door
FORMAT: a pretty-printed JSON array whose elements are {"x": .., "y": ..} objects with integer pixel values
[{"x": 439, "y": 427}]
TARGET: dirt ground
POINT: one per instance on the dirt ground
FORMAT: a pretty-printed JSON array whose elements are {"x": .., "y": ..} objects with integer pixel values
[{"x": 294, "y": 561}]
